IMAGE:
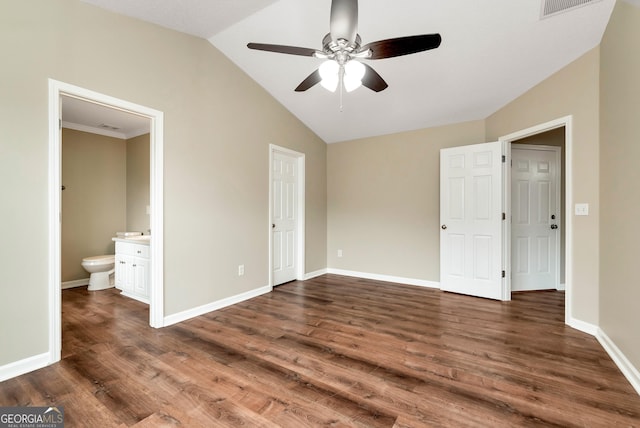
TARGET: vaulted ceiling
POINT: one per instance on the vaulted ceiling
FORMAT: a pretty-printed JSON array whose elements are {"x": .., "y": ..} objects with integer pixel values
[{"x": 492, "y": 51}]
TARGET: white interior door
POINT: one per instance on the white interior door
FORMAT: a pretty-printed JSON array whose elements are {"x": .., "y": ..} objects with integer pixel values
[
  {"x": 471, "y": 220},
  {"x": 284, "y": 216},
  {"x": 535, "y": 235}
]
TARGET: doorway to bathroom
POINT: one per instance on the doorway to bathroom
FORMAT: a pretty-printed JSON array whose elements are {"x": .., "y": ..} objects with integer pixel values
[{"x": 69, "y": 107}]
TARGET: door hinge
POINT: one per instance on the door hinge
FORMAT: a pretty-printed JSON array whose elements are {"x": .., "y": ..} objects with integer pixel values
[
  {"x": 504, "y": 216},
  {"x": 504, "y": 274},
  {"x": 504, "y": 159}
]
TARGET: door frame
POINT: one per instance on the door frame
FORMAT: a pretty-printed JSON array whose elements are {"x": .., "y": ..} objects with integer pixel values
[
  {"x": 300, "y": 226},
  {"x": 558, "y": 163},
  {"x": 58, "y": 89},
  {"x": 567, "y": 123}
]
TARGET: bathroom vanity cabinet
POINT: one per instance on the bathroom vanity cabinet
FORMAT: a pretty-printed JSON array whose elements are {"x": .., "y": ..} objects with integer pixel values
[{"x": 132, "y": 269}]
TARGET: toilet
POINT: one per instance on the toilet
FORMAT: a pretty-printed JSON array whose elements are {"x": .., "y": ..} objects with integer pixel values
[{"x": 101, "y": 269}]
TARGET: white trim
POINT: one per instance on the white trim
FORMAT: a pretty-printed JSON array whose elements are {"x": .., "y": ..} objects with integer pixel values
[
  {"x": 300, "y": 232},
  {"x": 58, "y": 89},
  {"x": 628, "y": 370},
  {"x": 213, "y": 306},
  {"x": 506, "y": 225},
  {"x": 315, "y": 274},
  {"x": 26, "y": 365},
  {"x": 75, "y": 283},
  {"x": 385, "y": 278},
  {"x": 567, "y": 123},
  {"x": 561, "y": 287},
  {"x": 583, "y": 326},
  {"x": 55, "y": 226},
  {"x": 156, "y": 221}
]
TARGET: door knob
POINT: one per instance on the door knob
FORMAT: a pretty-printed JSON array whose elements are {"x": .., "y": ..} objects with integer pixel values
[
  {"x": 444, "y": 227},
  {"x": 554, "y": 226},
  {"x": 273, "y": 225}
]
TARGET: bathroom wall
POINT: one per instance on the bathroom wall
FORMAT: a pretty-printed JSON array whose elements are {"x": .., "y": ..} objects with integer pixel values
[
  {"x": 138, "y": 182},
  {"x": 94, "y": 199},
  {"x": 89, "y": 220}
]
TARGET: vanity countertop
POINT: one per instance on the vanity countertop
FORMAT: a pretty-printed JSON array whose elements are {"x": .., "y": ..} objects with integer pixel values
[{"x": 140, "y": 239}]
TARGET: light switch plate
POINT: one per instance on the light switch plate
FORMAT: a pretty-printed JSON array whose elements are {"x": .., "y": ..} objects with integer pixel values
[{"x": 582, "y": 209}]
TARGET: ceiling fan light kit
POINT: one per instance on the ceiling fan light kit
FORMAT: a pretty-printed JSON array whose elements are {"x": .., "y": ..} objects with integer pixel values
[
  {"x": 342, "y": 50},
  {"x": 329, "y": 71},
  {"x": 353, "y": 73}
]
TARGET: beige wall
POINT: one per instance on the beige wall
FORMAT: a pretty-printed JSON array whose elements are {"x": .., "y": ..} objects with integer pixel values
[
  {"x": 217, "y": 129},
  {"x": 94, "y": 199},
  {"x": 620, "y": 175},
  {"x": 383, "y": 192},
  {"x": 218, "y": 125},
  {"x": 138, "y": 183},
  {"x": 574, "y": 90},
  {"x": 383, "y": 199}
]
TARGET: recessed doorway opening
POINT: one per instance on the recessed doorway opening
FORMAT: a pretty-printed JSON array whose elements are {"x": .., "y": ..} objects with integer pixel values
[{"x": 58, "y": 90}]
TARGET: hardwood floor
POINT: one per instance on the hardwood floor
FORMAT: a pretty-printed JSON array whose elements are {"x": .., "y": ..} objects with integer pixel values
[{"x": 332, "y": 351}]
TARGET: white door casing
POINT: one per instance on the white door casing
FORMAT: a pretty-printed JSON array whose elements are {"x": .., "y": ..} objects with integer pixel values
[
  {"x": 58, "y": 89},
  {"x": 471, "y": 207},
  {"x": 535, "y": 217},
  {"x": 286, "y": 215},
  {"x": 567, "y": 123}
]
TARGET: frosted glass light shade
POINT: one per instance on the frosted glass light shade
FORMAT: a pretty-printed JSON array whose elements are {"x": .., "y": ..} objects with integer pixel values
[
  {"x": 353, "y": 74},
  {"x": 329, "y": 74}
]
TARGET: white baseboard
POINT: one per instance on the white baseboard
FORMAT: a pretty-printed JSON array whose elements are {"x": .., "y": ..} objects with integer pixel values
[
  {"x": 315, "y": 274},
  {"x": 561, "y": 287},
  {"x": 583, "y": 326},
  {"x": 26, "y": 365},
  {"x": 74, "y": 284},
  {"x": 210, "y": 307},
  {"x": 386, "y": 278},
  {"x": 628, "y": 370}
]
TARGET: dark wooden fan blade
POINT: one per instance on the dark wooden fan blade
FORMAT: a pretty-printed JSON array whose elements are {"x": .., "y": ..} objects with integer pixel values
[
  {"x": 343, "y": 23},
  {"x": 402, "y": 46},
  {"x": 373, "y": 80},
  {"x": 291, "y": 50},
  {"x": 311, "y": 80}
]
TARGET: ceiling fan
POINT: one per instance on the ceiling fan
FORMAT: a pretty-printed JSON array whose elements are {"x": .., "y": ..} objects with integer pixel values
[{"x": 342, "y": 48}]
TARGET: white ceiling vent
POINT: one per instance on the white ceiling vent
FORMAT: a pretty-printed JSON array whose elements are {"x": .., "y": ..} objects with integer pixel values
[
  {"x": 554, "y": 7},
  {"x": 109, "y": 127}
]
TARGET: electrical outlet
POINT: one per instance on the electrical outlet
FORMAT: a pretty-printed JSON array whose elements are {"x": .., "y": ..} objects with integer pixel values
[
  {"x": 339, "y": 253},
  {"x": 240, "y": 270}
]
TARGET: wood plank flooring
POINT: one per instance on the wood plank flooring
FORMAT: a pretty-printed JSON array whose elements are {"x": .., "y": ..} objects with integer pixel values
[{"x": 332, "y": 351}]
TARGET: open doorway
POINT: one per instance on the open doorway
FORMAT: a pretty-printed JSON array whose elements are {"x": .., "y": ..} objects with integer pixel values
[
  {"x": 538, "y": 211},
  {"x": 154, "y": 118},
  {"x": 558, "y": 132},
  {"x": 105, "y": 186}
]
